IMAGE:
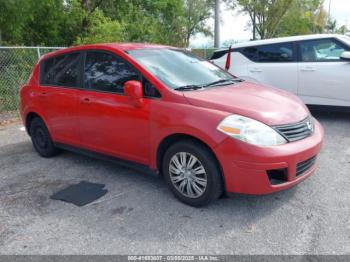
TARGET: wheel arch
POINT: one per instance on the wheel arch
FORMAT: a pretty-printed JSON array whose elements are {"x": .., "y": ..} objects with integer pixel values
[
  {"x": 29, "y": 118},
  {"x": 177, "y": 137}
]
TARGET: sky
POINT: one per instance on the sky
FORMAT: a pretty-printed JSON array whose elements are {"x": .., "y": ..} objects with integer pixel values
[{"x": 233, "y": 24}]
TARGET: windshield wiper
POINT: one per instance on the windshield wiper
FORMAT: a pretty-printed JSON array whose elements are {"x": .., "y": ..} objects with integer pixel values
[
  {"x": 188, "y": 87},
  {"x": 196, "y": 87},
  {"x": 221, "y": 82}
]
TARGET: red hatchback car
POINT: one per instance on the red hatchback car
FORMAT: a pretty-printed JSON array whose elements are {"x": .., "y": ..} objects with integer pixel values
[{"x": 206, "y": 131}]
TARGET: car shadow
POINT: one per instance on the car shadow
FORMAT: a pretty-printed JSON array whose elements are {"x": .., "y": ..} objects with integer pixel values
[{"x": 324, "y": 115}]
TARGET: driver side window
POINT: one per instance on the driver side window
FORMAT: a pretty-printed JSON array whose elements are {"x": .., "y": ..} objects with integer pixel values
[
  {"x": 106, "y": 72},
  {"x": 321, "y": 50}
]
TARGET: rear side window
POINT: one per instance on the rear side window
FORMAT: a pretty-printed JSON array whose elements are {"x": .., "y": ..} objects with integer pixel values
[
  {"x": 283, "y": 52},
  {"x": 251, "y": 53},
  {"x": 107, "y": 72},
  {"x": 62, "y": 70}
]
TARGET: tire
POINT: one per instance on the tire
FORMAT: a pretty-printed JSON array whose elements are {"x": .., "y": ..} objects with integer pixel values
[
  {"x": 41, "y": 138},
  {"x": 178, "y": 177}
]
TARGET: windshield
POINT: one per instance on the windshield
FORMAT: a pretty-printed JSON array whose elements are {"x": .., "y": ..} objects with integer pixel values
[{"x": 180, "y": 69}]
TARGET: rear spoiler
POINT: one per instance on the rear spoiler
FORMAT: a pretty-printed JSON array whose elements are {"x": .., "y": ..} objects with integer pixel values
[{"x": 219, "y": 53}]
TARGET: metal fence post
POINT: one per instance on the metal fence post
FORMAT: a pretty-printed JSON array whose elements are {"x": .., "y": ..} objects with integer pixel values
[{"x": 38, "y": 52}]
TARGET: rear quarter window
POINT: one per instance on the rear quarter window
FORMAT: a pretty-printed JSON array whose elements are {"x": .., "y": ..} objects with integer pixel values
[{"x": 63, "y": 70}]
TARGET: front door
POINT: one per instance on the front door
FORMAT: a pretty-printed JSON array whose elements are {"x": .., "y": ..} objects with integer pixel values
[
  {"x": 323, "y": 78},
  {"x": 109, "y": 121}
]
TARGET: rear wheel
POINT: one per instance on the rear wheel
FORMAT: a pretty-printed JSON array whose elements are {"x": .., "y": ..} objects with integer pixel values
[
  {"x": 41, "y": 138},
  {"x": 192, "y": 173}
]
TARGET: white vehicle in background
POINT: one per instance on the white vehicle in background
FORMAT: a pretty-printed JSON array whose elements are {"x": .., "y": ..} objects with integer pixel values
[{"x": 314, "y": 67}]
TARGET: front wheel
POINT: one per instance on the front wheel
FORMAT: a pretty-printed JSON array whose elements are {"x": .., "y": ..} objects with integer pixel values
[{"x": 192, "y": 173}]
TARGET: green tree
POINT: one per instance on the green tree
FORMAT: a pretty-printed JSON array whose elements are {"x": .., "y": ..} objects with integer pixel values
[
  {"x": 12, "y": 22},
  {"x": 67, "y": 22},
  {"x": 197, "y": 14},
  {"x": 303, "y": 17},
  {"x": 101, "y": 29},
  {"x": 331, "y": 26},
  {"x": 265, "y": 15},
  {"x": 44, "y": 23},
  {"x": 28, "y": 22},
  {"x": 158, "y": 21},
  {"x": 342, "y": 30}
]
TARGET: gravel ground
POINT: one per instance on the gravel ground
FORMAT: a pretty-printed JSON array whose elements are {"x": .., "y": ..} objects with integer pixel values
[
  {"x": 9, "y": 118},
  {"x": 140, "y": 216}
]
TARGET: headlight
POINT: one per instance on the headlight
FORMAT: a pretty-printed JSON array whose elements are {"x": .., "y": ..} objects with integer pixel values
[{"x": 250, "y": 131}]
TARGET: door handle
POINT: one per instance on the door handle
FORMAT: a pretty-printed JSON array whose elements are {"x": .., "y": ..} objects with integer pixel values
[
  {"x": 255, "y": 70},
  {"x": 42, "y": 94},
  {"x": 308, "y": 69},
  {"x": 85, "y": 100}
]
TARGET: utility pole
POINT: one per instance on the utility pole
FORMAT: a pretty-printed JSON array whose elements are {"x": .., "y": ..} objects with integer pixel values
[
  {"x": 329, "y": 16},
  {"x": 217, "y": 24}
]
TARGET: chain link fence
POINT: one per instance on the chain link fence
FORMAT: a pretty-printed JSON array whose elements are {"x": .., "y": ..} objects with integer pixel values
[
  {"x": 205, "y": 53},
  {"x": 16, "y": 64}
]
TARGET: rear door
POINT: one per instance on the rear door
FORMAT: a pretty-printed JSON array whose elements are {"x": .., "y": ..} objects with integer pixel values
[
  {"x": 323, "y": 78},
  {"x": 273, "y": 64},
  {"x": 109, "y": 121},
  {"x": 60, "y": 78}
]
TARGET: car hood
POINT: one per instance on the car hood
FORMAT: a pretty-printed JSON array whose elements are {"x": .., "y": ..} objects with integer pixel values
[{"x": 266, "y": 104}]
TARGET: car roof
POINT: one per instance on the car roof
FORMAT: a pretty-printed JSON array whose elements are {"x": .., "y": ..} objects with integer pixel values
[
  {"x": 221, "y": 52},
  {"x": 284, "y": 39},
  {"x": 117, "y": 46}
]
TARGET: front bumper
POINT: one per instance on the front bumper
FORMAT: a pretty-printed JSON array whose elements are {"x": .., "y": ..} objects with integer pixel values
[{"x": 245, "y": 167}]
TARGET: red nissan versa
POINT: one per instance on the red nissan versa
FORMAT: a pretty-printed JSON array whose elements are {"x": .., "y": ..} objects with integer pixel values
[{"x": 206, "y": 131}]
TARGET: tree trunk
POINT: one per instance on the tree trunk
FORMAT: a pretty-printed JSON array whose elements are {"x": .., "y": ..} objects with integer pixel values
[
  {"x": 254, "y": 25},
  {"x": 217, "y": 25},
  {"x": 85, "y": 20}
]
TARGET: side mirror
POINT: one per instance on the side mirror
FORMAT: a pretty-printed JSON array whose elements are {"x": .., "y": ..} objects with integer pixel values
[
  {"x": 134, "y": 90},
  {"x": 345, "y": 56}
]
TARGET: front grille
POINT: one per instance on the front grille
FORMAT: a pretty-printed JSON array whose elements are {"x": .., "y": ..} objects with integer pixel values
[
  {"x": 304, "y": 166},
  {"x": 296, "y": 131}
]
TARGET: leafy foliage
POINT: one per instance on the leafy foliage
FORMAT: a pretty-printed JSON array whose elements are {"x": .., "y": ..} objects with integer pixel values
[
  {"x": 303, "y": 17},
  {"x": 266, "y": 15},
  {"x": 273, "y": 18},
  {"x": 196, "y": 14},
  {"x": 67, "y": 22},
  {"x": 101, "y": 29},
  {"x": 174, "y": 22}
]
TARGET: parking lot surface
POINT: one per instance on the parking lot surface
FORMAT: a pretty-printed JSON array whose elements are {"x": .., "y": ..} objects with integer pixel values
[{"x": 139, "y": 215}]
